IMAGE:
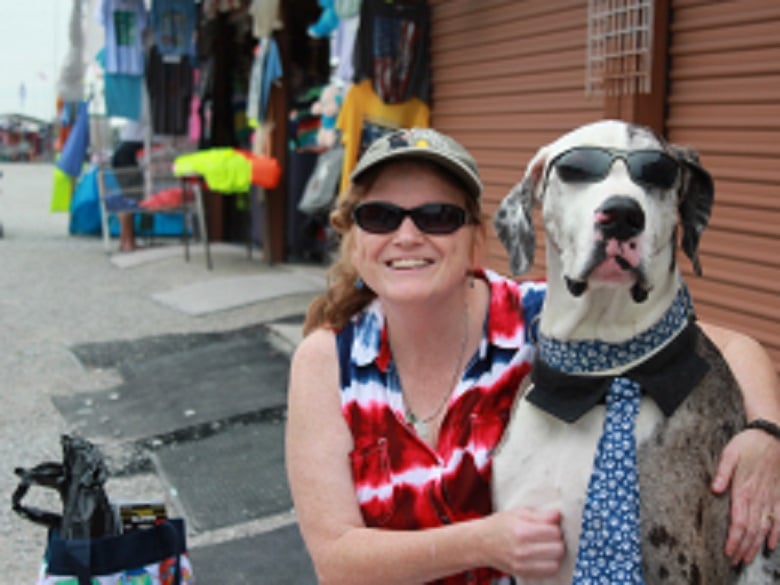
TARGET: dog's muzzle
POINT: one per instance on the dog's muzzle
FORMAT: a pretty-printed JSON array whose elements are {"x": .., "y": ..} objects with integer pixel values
[{"x": 618, "y": 221}]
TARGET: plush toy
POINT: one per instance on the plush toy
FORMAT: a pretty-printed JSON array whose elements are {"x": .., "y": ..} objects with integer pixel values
[
  {"x": 327, "y": 23},
  {"x": 327, "y": 107}
]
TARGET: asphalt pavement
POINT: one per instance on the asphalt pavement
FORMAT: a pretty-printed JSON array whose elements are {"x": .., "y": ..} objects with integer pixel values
[{"x": 176, "y": 372}]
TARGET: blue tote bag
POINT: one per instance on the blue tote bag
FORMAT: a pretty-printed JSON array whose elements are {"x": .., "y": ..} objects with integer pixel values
[{"x": 146, "y": 555}]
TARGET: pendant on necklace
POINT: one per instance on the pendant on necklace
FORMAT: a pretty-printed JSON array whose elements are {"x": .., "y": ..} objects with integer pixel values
[{"x": 420, "y": 426}]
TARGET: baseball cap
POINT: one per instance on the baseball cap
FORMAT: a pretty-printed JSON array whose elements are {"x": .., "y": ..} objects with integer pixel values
[{"x": 423, "y": 143}]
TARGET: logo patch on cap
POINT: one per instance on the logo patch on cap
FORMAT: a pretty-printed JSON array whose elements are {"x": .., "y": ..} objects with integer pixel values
[
  {"x": 423, "y": 143},
  {"x": 399, "y": 140}
]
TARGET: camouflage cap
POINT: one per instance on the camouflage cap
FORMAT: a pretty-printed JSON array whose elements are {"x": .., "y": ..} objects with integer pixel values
[{"x": 423, "y": 143}]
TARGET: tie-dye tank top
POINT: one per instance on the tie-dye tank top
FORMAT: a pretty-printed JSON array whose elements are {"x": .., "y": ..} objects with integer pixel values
[{"x": 401, "y": 482}]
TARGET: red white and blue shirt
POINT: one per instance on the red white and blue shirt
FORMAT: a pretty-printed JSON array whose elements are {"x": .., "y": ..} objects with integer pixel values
[{"x": 403, "y": 483}]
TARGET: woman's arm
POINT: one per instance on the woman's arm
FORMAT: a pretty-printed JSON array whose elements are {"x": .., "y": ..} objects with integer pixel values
[
  {"x": 343, "y": 550},
  {"x": 750, "y": 463},
  {"x": 753, "y": 369}
]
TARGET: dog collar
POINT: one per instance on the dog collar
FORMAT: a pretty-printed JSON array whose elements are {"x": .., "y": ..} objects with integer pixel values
[
  {"x": 593, "y": 356},
  {"x": 566, "y": 379}
]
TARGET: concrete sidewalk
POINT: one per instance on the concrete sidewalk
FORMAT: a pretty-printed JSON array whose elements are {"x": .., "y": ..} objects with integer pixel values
[{"x": 178, "y": 373}]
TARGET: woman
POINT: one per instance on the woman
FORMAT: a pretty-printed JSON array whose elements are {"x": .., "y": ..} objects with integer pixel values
[{"x": 406, "y": 377}]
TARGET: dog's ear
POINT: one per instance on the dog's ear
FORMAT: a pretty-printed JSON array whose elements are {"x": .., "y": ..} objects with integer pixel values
[
  {"x": 514, "y": 221},
  {"x": 696, "y": 197}
]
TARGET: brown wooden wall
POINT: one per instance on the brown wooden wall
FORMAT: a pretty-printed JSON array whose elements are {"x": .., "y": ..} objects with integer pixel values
[
  {"x": 509, "y": 76},
  {"x": 724, "y": 100}
]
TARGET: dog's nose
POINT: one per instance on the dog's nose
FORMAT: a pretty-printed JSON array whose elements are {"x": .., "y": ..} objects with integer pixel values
[{"x": 620, "y": 217}]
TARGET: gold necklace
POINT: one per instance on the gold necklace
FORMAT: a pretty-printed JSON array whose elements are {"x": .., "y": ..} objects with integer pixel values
[{"x": 422, "y": 425}]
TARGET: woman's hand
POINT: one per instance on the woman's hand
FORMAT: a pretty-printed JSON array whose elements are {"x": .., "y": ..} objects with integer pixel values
[
  {"x": 525, "y": 542},
  {"x": 750, "y": 464}
]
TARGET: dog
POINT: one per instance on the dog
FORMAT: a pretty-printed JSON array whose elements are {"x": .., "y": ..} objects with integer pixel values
[{"x": 613, "y": 198}]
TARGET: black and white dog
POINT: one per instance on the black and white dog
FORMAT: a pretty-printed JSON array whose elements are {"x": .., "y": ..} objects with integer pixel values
[{"x": 613, "y": 197}]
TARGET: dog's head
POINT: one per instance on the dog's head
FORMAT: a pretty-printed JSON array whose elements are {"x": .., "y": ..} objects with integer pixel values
[{"x": 612, "y": 196}]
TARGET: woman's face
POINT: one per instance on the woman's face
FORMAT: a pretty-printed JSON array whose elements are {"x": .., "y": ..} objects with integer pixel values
[{"x": 408, "y": 264}]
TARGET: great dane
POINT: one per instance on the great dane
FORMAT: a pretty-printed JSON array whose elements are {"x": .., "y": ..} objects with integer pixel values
[{"x": 613, "y": 198}]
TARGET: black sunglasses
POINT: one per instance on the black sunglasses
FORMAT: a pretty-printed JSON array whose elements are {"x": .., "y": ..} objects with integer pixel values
[
  {"x": 590, "y": 164},
  {"x": 378, "y": 217}
]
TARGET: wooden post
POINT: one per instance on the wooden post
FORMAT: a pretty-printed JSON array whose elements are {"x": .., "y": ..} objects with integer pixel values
[{"x": 648, "y": 109}]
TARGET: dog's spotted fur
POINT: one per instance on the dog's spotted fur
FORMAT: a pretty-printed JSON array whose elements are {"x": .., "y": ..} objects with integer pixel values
[{"x": 544, "y": 462}]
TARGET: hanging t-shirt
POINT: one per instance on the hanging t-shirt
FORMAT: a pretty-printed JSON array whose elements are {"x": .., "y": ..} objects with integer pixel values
[
  {"x": 123, "y": 95},
  {"x": 169, "y": 81},
  {"x": 343, "y": 47},
  {"x": 393, "y": 49},
  {"x": 266, "y": 68},
  {"x": 265, "y": 17},
  {"x": 173, "y": 23},
  {"x": 364, "y": 117},
  {"x": 124, "y": 22}
]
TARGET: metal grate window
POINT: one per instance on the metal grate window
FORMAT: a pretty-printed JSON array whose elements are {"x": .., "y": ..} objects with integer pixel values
[{"x": 620, "y": 38}]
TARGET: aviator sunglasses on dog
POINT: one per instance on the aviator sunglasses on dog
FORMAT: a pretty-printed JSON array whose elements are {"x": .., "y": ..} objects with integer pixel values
[
  {"x": 590, "y": 164},
  {"x": 378, "y": 217}
]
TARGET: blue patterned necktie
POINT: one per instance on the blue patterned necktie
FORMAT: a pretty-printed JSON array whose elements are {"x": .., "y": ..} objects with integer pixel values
[{"x": 609, "y": 550}]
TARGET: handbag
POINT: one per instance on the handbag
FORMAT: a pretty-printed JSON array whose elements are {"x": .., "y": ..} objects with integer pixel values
[
  {"x": 88, "y": 543},
  {"x": 79, "y": 479},
  {"x": 145, "y": 555},
  {"x": 321, "y": 186}
]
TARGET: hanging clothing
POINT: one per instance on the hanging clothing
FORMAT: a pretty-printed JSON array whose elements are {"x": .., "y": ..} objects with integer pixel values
[
  {"x": 169, "y": 81},
  {"x": 66, "y": 112},
  {"x": 272, "y": 72},
  {"x": 61, "y": 191},
  {"x": 124, "y": 22},
  {"x": 344, "y": 48},
  {"x": 393, "y": 49},
  {"x": 224, "y": 49},
  {"x": 253, "y": 115},
  {"x": 213, "y": 7},
  {"x": 123, "y": 95},
  {"x": 266, "y": 69},
  {"x": 173, "y": 24},
  {"x": 74, "y": 153},
  {"x": 122, "y": 92},
  {"x": 194, "y": 123},
  {"x": 229, "y": 170},
  {"x": 265, "y": 17},
  {"x": 347, "y": 8},
  {"x": 364, "y": 117}
]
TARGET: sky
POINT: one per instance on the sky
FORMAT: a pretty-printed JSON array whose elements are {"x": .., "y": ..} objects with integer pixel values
[{"x": 34, "y": 41}]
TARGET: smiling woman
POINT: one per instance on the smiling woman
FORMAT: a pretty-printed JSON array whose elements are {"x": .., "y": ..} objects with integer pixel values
[{"x": 408, "y": 408}]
